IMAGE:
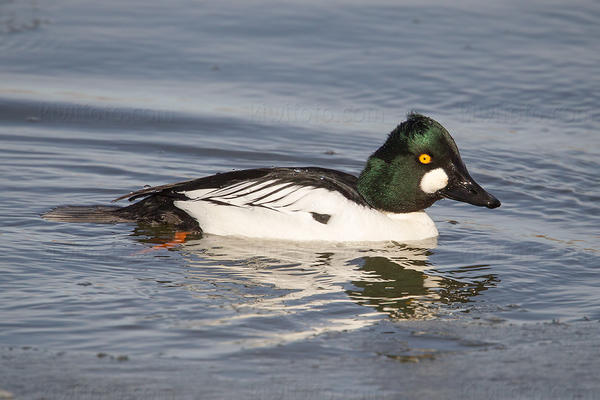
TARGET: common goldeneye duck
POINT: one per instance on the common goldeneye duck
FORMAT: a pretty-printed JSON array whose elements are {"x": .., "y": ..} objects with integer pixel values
[{"x": 418, "y": 164}]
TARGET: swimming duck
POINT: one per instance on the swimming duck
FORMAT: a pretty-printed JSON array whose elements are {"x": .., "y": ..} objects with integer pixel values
[{"x": 418, "y": 164}]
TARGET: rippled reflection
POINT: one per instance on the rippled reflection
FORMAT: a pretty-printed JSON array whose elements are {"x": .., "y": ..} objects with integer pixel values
[
  {"x": 304, "y": 278},
  {"x": 410, "y": 288}
]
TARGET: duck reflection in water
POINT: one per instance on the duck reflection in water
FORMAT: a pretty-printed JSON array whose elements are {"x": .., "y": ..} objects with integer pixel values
[
  {"x": 281, "y": 276},
  {"x": 412, "y": 288}
]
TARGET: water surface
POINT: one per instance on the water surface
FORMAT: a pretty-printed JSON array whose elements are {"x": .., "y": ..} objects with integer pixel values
[{"x": 99, "y": 99}]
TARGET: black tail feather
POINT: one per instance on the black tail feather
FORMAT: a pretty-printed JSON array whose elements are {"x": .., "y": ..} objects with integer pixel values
[
  {"x": 95, "y": 214},
  {"x": 153, "y": 210}
]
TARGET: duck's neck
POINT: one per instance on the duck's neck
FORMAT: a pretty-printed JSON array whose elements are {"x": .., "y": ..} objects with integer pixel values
[{"x": 392, "y": 186}]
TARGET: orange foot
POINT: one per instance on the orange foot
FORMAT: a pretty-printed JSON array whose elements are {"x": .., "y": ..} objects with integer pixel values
[{"x": 178, "y": 239}]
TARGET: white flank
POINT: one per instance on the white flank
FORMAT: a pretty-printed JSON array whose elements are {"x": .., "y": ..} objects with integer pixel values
[
  {"x": 284, "y": 211},
  {"x": 434, "y": 180}
]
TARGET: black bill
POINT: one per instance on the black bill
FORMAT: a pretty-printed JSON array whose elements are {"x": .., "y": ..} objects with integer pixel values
[{"x": 462, "y": 187}]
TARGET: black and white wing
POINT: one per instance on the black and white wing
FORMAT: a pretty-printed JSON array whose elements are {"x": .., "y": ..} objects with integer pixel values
[{"x": 275, "y": 188}]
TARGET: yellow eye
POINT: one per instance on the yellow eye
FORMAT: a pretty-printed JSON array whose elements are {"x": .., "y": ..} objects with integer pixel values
[{"x": 424, "y": 158}]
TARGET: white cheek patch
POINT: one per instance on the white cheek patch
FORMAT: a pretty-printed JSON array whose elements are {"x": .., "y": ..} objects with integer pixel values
[{"x": 434, "y": 180}]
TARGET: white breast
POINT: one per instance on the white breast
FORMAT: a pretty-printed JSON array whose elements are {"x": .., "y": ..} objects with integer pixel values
[{"x": 285, "y": 211}]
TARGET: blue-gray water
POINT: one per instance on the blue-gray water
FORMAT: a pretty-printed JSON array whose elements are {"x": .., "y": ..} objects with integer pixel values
[{"x": 100, "y": 98}]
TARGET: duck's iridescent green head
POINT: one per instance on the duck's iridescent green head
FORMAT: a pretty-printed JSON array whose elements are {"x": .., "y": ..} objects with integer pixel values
[{"x": 417, "y": 165}]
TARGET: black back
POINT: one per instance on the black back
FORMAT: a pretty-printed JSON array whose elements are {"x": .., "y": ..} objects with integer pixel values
[{"x": 325, "y": 178}]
